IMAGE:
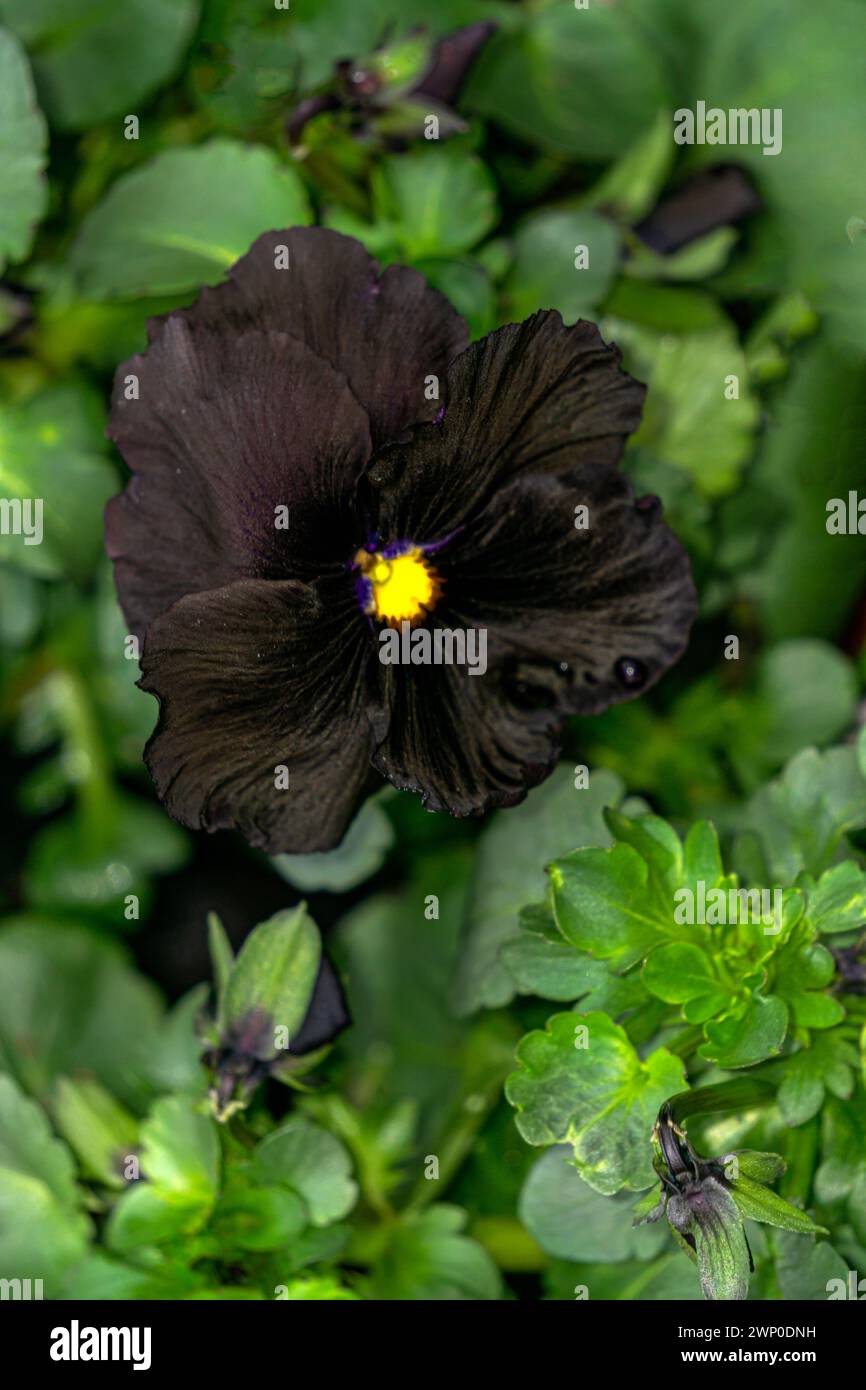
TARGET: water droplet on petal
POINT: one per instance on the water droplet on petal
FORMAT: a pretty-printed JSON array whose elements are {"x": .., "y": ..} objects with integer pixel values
[
  {"x": 649, "y": 503},
  {"x": 630, "y": 671}
]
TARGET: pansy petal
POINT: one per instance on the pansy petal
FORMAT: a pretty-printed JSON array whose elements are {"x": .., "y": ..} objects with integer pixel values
[
  {"x": 573, "y": 621},
  {"x": 534, "y": 397},
  {"x": 260, "y": 683},
  {"x": 387, "y": 331},
  {"x": 461, "y": 742},
  {"x": 224, "y": 432},
  {"x": 587, "y": 614},
  {"x": 453, "y": 56}
]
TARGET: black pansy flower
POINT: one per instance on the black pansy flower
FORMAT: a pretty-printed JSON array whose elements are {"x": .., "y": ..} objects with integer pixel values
[{"x": 317, "y": 459}]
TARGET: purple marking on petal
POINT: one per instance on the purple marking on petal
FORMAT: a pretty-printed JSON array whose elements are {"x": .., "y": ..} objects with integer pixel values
[
  {"x": 390, "y": 552},
  {"x": 364, "y": 593},
  {"x": 439, "y": 416},
  {"x": 649, "y": 503},
  {"x": 431, "y": 547}
]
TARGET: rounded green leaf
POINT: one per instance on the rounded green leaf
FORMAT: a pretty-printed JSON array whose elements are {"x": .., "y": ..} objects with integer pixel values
[
  {"x": 547, "y": 253},
  {"x": 361, "y": 854},
  {"x": 440, "y": 200},
  {"x": 261, "y": 1218},
  {"x": 573, "y": 1222},
  {"x": 679, "y": 972},
  {"x": 753, "y": 1036},
  {"x": 584, "y": 83},
  {"x": 94, "y": 60},
  {"x": 180, "y": 1149},
  {"x": 313, "y": 1162},
  {"x": 56, "y": 481},
  {"x": 182, "y": 219},
  {"x": 581, "y": 1081},
  {"x": 23, "y": 141}
]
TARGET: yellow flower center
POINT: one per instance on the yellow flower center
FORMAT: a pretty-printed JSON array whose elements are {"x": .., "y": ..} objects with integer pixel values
[{"x": 401, "y": 586}]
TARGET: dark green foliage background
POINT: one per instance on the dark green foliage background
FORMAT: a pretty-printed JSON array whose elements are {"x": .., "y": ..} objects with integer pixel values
[{"x": 322, "y": 1194}]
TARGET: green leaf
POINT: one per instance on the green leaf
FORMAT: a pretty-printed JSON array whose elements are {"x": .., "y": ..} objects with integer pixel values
[
  {"x": 183, "y": 219},
  {"x": 429, "y": 1258},
  {"x": 397, "y": 983},
  {"x": 810, "y": 689},
  {"x": 682, "y": 973},
  {"x": 760, "y": 1167},
  {"x": 808, "y": 1271},
  {"x": 72, "y": 1003},
  {"x": 146, "y": 1216},
  {"x": 836, "y": 902},
  {"x": 618, "y": 904},
  {"x": 593, "y": 1091},
  {"x": 689, "y": 422},
  {"x": 667, "y": 1279},
  {"x": 180, "y": 1150},
  {"x": 758, "y": 1203},
  {"x": 23, "y": 141},
  {"x": 700, "y": 259},
  {"x": 437, "y": 201},
  {"x": 629, "y": 189},
  {"x": 314, "y": 1163},
  {"x": 544, "y": 275},
  {"x": 466, "y": 283},
  {"x": 99, "y": 1130},
  {"x": 100, "y": 1277},
  {"x": 799, "y": 821},
  {"x": 754, "y": 1033},
  {"x": 805, "y": 582},
  {"x": 359, "y": 856},
  {"x": 509, "y": 873},
  {"x": 584, "y": 84},
  {"x": 274, "y": 976},
  {"x": 39, "y": 1237},
  {"x": 843, "y": 1146},
  {"x": 573, "y": 1222},
  {"x": 28, "y": 1146},
  {"x": 92, "y": 60},
  {"x": 800, "y": 970},
  {"x": 262, "y": 1218},
  {"x": 321, "y": 1288},
  {"x": 827, "y": 1063},
  {"x": 807, "y": 199},
  {"x": 68, "y": 866},
  {"x": 52, "y": 460},
  {"x": 542, "y": 963}
]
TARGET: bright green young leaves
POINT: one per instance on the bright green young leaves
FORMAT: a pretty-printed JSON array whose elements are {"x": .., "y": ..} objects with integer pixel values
[
  {"x": 745, "y": 965},
  {"x": 619, "y": 904}
]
